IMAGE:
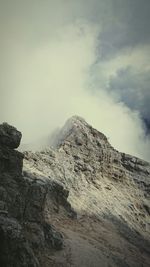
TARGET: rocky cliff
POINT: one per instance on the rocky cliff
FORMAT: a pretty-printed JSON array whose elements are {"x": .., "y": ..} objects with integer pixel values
[
  {"x": 77, "y": 203},
  {"x": 24, "y": 232}
]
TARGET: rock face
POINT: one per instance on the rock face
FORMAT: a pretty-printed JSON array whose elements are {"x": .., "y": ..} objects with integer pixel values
[
  {"x": 9, "y": 136},
  {"x": 108, "y": 190},
  {"x": 24, "y": 231},
  {"x": 77, "y": 203}
]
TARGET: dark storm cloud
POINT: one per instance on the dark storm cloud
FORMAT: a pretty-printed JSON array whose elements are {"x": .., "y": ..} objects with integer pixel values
[
  {"x": 125, "y": 30},
  {"x": 129, "y": 26},
  {"x": 133, "y": 88}
]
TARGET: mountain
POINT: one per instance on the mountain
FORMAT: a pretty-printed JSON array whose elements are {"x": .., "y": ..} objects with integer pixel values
[{"x": 79, "y": 202}]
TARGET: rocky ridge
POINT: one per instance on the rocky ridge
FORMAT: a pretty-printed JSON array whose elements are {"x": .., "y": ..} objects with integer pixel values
[
  {"x": 84, "y": 162},
  {"x": 97, "y": 197}
]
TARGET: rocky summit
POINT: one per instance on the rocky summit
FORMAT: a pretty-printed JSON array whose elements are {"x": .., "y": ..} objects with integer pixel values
[{"x": 78, "y": 202}]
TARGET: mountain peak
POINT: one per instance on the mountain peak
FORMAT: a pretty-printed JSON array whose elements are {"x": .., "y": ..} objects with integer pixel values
[
  {"x": 77, "y": 129},
  {"x": 76, "y": 120}
]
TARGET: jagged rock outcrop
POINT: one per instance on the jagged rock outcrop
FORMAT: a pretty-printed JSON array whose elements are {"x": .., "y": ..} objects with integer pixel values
[
  {"x": 24, "y": 231},
  {"x": 9, "y": 136}
]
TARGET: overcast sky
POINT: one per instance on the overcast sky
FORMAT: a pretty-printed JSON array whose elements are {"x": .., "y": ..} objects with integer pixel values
[{"x": 90, "y": 58}]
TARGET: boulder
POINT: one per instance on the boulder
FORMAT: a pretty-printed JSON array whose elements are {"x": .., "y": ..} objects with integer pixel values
[{"x": 9, "y": 136}]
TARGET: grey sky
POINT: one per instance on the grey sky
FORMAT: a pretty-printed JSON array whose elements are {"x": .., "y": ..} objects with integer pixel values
[{"x": 65, "y": 57}]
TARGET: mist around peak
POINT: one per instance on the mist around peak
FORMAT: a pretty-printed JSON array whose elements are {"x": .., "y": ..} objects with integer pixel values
[{"x": 64, "y": 59}]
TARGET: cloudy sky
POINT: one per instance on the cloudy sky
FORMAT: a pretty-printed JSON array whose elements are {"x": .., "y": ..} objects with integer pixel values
[{"x": 89, "y": 57}]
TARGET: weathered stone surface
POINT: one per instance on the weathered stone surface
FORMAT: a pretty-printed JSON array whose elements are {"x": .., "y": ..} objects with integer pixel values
[
  {"x": 81, "y": 177},
  {"x": 10, "y": 158},
  {"x": 22, "y": 204},
  {"x": 100, "y": 181},
  {"x": 9, "y": 136},
  {"x": 53, "y": 237},
  {"x": 14, "y": 248}
]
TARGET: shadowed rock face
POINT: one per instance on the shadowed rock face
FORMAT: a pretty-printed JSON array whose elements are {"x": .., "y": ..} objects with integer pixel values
[
  {"x": 9, "y": 136},
  {"x": 14, "y": 248},
  {"x": 11, "y": 161},
  {"x": 24, "y": 231}
]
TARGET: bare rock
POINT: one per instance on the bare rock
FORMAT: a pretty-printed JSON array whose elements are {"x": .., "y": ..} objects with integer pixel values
[
  {"x": 14, "y": 248},
  {"x": 9, "y": 136},
  {"x": 23, "y": 228},
  {"x": 53, "y": 237},
  {"x": 82, "y": 187}
]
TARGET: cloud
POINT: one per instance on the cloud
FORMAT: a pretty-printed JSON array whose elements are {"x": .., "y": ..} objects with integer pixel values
[
  {"x": 51, "y": 71},
  {"x": 126, "y": 77},
  {"x": 46, "y": 79},
  {"x": 133, "y": 88},
  {"x": 127, "y": 27}
]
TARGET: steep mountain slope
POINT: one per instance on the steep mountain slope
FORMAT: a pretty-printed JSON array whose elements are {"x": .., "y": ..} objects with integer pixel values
[
  {"x": 77, "y": 203},
  {"x": 108, "y": 190}
]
